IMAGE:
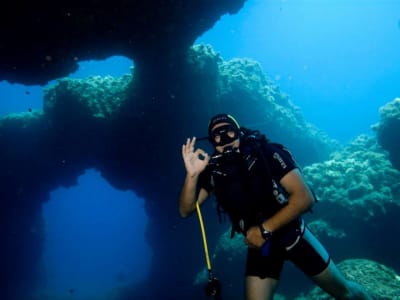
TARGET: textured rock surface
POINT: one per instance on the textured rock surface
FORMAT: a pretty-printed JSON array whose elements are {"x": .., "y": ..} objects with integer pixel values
[
  {"x": 388, "y": 129},
  {"x": 381, "y": 282},
  {"x": 359, "y": 180},
  {"x": 359, "y": 202},
  {"x": 44, "y": 40},
  {"x": 131, "y": 132}
]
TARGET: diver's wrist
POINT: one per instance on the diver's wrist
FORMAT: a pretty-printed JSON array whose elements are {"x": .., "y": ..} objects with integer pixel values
[{"x": 265, "y": 233}]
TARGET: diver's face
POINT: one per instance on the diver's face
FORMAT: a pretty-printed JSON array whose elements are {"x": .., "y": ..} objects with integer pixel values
[{"x": 224, "y": 135}]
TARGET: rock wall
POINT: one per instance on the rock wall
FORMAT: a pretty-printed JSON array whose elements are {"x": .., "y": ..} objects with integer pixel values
[
  {"x": 45, "y": 40},
  {"x": 132, "y": 133},
  {"x": 387, "y": 130}
]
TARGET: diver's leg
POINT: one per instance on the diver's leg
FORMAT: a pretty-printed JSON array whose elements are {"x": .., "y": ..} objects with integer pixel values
[
  {"x": 260, "y": 289},
  {"x": 333, "y": 282},
  {"x": 263, "y": 272},
  {"x": 312, "y": 258}
]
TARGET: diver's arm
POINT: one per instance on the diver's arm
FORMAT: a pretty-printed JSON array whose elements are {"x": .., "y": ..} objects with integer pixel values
[
  {"x": 195, "y": 162},
  {"x": 300, "y": 199},
  {"x": 187, "y": 199}
]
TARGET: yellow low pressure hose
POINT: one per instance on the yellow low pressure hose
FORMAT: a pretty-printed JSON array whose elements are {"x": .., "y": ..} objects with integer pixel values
[
  {"x": 213, "y": 287},
  {"x": 203, "y": 233}
]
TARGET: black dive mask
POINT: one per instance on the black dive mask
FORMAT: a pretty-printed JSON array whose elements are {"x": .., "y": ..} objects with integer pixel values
[{"x": 224, "y": 135}]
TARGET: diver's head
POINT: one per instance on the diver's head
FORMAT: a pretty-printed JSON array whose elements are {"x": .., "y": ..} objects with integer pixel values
[{"x": 224, "y": 132}]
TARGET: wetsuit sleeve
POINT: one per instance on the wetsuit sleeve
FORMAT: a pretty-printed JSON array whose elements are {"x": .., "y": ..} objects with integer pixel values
[
  {"x": 205, "y": 180},
  {"x": 280, "y": 160}
]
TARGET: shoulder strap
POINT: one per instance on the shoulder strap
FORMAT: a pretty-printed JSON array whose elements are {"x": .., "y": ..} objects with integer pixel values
[{"x": 260, "y": 141}]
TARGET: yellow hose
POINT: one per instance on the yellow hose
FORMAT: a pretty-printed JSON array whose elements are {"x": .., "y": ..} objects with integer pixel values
[{"x": 203, "y": 233}]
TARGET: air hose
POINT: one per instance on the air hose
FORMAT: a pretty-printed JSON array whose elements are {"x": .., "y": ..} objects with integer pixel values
[
  {"x": 203, "y": 234},
  {"x": 213, "y": 287}
]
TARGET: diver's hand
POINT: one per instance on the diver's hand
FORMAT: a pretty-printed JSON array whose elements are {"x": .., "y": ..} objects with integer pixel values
[
  {"x": 195, "y": 161},
  {"x": 254, "y": 239}
]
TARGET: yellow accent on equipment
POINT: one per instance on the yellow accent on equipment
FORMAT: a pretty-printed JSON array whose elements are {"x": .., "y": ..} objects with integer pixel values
[{"x": 203, "y": 233}]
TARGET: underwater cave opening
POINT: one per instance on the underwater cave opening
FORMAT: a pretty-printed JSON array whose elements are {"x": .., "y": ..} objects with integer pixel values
[{"x": 95, "y": 240}]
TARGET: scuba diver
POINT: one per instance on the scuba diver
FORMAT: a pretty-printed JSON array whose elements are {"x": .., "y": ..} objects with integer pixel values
[{"x": 260, "y": 187}]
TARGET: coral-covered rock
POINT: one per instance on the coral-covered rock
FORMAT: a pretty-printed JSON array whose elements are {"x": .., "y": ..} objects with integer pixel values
[
  {"x": 358, "y": 181},
  {"x": 388, "y": 128},
  {"x": 359, "y": 202},
  {"x": 380, "y": 281},
  {"x": 130, "y": 130}
]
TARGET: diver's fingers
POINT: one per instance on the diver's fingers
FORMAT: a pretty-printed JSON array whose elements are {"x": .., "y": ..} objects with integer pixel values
[
  {"x": 183, "y": 150},
  {"x": 198, "y": 151},
  {"x": 188, "y": 144},
  {"x": 188, "y": 147},
  {"x": 206, "y": 157},
  {"x": 192, "y": 142},
  {"x": 201, "y": 152},
  {"x": 185, "y": 146}
]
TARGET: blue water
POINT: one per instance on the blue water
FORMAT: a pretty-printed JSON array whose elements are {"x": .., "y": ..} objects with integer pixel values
[
  {"x": 337, "y": 59},
  {"x": 95, "y": 239}
]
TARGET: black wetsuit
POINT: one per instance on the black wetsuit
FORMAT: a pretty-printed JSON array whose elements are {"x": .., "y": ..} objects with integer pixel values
[{"x": 247, "y": 187}]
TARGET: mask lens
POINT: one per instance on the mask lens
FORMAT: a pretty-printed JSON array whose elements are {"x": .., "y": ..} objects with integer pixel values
[
  {"x": 231, "y": 134},
  {"x": 217, "y": 138},
  {"x": 224, "y": 135}
]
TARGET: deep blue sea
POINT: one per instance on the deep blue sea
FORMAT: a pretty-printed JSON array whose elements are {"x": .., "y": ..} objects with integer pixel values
[{"x": 338, "y": 60}]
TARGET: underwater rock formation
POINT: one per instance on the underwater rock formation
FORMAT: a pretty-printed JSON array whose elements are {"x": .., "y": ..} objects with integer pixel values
[
  {"x": 242, "y": 83},
  {"x": 359, "y": 180},
  {"x": 45, "y": 40},
  {"x": 359, "y": 202},
  {"x": 387, "y": 130},
  {"x": 380, "y": 281},
  {"x": 131, "y": 132}
]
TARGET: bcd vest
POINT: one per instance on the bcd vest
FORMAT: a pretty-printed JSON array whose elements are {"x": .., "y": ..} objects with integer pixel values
[{"x": 245, "y": 188}]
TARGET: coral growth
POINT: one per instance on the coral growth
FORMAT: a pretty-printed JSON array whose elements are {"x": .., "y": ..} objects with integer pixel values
[
  {"x": 359, "y": 180},
  {"x": 387, "y": 130},
  {"x": 378, "y": 280}
]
